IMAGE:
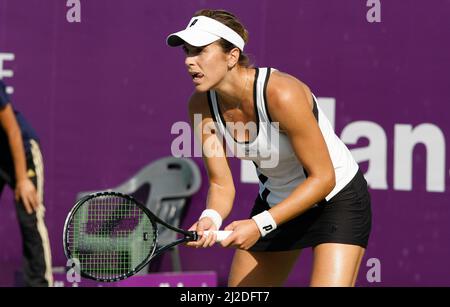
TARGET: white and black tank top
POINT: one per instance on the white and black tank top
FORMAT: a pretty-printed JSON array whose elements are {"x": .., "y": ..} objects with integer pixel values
[{"x": 279, "y": 171}]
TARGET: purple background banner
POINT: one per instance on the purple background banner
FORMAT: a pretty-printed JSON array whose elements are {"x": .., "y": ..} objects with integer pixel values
[{"x": 104, "y": 93}]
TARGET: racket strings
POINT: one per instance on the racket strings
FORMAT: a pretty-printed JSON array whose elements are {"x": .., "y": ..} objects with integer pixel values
[{"x": 110, "y": 236}]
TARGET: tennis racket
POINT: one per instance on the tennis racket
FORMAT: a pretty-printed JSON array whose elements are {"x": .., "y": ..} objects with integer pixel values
[{"x": 112, "y": 236}]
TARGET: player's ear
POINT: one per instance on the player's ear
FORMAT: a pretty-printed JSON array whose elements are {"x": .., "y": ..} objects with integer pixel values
[{"x": 233, "y": 57}]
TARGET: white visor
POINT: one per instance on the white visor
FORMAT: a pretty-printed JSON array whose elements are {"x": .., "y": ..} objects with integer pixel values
[{"x": 202, "y": 31}]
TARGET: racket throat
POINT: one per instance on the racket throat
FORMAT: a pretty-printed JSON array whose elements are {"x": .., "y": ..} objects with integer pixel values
[{"x": 192, "y": 236}]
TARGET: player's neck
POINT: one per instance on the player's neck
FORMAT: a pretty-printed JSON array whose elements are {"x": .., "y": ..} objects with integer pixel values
[{"x": 236, "y": 87}]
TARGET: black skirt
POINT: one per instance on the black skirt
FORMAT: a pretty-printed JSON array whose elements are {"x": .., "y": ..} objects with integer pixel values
[{"x": 346, "y": 218}]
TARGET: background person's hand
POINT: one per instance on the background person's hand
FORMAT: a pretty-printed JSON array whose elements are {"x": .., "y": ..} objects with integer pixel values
[
  {"x": 27, "y": 194},
  {"x": 245, "y": 234},
  {"x": 204, "y": 241}
]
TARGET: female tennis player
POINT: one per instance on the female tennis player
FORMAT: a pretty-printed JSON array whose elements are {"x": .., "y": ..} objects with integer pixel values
[{"x": 313, "y": 195}]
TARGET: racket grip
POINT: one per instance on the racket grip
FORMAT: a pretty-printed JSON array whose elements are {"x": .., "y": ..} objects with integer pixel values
[{"x": 220, "y": 234}]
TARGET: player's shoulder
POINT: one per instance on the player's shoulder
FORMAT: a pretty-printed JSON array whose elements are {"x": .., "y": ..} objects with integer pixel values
[
  {"x": 284, "y": 89},
  {"x": 199, "y": 104}
]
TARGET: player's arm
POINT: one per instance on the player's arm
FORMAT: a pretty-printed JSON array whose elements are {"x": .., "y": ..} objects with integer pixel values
[
  {"x": 289, "y": 104},
  {"x": 221, "y": 190},
  {"x": 221, "y": 187},
  {"x": 24, "y": 188}
]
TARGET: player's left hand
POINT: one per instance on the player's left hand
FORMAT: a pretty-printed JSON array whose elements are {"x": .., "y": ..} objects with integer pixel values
[{"x": 245, "y": 234}]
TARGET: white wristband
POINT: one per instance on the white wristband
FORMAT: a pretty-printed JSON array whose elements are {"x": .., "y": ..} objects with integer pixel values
[
  {"x": 265, "y": 222},
  {"x": 213, "y": 215}
]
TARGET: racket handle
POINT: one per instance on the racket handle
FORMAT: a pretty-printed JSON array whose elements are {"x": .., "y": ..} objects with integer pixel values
[{"x": 220, "y": 234}]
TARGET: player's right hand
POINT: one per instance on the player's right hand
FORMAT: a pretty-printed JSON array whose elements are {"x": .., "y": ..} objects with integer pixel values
[
  {"x": 203, "y": 224},
  {"x": 26, "y": 193}
]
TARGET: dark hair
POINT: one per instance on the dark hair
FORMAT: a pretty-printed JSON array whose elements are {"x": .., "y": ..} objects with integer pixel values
[{"x": 232, "y": 22}]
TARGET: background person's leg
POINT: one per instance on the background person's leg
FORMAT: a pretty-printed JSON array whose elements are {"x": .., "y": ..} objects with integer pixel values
[
  {"x": 34, "y": 265},
  {"x": 36, "y": 246},
  {"x": 261, "y": 269},
  {"x": 335, "y": 265}
]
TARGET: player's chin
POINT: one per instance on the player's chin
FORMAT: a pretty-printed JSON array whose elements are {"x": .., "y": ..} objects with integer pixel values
[{"x": 202, "y": 87}]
